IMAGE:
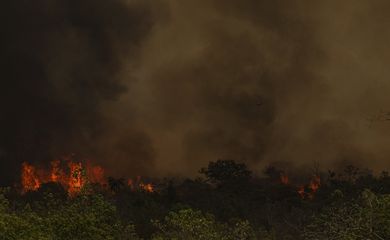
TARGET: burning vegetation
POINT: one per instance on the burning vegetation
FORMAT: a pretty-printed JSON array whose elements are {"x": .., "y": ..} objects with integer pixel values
[
  {"x": 305, "y": 191},
  {"x": 227, "y": 202},
  {"x": 30, "y": 179},
  {"x": 72, "y": 175}
]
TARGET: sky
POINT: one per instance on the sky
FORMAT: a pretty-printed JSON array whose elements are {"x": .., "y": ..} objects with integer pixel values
[{"x": 162, "y": 87}]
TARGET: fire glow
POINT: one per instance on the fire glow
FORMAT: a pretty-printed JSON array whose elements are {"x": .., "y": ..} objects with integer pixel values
[
  {"x": 72, "y": 175},
  {"x": 303, "y": 191}
]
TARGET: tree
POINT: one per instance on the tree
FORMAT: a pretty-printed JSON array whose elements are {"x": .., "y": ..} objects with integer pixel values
[
  {"x": 226, "y": 171},
  {"x": 87, "y": 217},
  {"x": 366, "y": 218},
  {"x": 25, "y": 225},
  {"x": 188, "y": 224},
  {"x": 116, "y": 185}
]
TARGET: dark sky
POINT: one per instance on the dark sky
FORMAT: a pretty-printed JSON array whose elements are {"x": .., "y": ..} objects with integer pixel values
[{"x": 163, "y": 87}]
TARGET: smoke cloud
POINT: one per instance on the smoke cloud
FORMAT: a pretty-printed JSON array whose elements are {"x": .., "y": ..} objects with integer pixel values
[
  {"x": 61, "y": 62},
  {"x": 163, "y": 87}
]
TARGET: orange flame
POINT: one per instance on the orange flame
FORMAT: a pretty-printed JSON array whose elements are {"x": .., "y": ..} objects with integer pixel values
[
  {"x": 315, "y": 184},
  {"x": 72, "y": 176},
  {"x": 284, "y": 179},
  {"x": 30, "y": 180},
  {"x": 147, "y": 187},
  {"x": 96, "y": 174},
  {"x": 76, "y": 179},
  {"x": 56, "y": 172}
]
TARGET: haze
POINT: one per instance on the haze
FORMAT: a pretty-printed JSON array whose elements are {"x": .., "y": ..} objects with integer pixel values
[{"x": 161, "y": 88}]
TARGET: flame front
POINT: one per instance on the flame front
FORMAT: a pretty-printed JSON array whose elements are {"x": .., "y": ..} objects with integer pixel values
[
  {"x": 76, "y": 180},
  {"x": 56, "y": 173},
  {"x": 30, "y": 180},
  {"x": 95, "y": 174},
  {"x": 138, "y": 184},
  {"x": 304, "y": 191},
  {"x": 72, "y": 176}
]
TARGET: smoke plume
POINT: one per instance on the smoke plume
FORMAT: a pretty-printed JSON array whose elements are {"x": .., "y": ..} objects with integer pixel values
[
  {"x": 163, "y": 87},
  {"x": 61, "y": 62}
]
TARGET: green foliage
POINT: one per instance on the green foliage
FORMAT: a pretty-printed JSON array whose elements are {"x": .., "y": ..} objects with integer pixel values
[
  {"x": 25, "y": 225},
  {"x": 366, "y": 218},
  {"x": 84, "y": 217},
  {"x": 376, "y": 212},
  {"x": 188, "y": 224},
  {"x": 340, "y": 210},
  {"x": 242, "y": 230},
  {"x": 129, "y": 233},
  {"x": 263, "y": 234},
  {"x": 3, "y": 204},
  {"x": 140, "y": 207}
]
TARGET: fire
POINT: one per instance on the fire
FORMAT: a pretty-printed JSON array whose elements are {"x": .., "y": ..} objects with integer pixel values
[
  {"x": 76, "y": 178},
  {"x": 304, "y": 191},
  {"x": 147, "y": 187},
  {"x": 315, "y": 184},
  {"x": 138, "y": 184},
  {"x": 96, "y": 174},
  {"x": 72, "y": 175},
  {"x": 284, "y": 179},
  {"x": 130, "y": 184},
  {"x": 56, "y": 172},
  {"x": 30, "y": 180},
  {"x": 312, "y": 188},
  {"x": 301, "y": 191}
]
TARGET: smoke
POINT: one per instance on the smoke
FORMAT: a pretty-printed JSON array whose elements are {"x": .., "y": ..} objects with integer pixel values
[
  {"x": 163, "y": 87},
  {"x": 61, "y": 62},
  {"x": 266, "y": 81}
]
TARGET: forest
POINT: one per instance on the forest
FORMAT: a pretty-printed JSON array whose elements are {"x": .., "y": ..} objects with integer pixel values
[
  {"x": 207, "y": 120},
  {"x": 227, "y": 201}
]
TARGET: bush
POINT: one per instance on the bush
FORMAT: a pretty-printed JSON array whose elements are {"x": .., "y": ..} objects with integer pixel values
[
  {"x": 366, "y": 218},
  {"x": 25, "y": 225},
  {"x": 188, "y": 224},
  {"x": 86, "y": 217}
]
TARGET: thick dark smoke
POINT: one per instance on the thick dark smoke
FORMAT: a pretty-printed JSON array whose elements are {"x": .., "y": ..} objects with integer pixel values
[
  {"x": 147, "y": 87},
  {"x": 266, "y": 81},
  {"x": 60, "y": 62}
]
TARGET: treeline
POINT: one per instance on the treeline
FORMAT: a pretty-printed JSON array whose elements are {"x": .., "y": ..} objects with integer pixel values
[{"x": 227, "y": 203}]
